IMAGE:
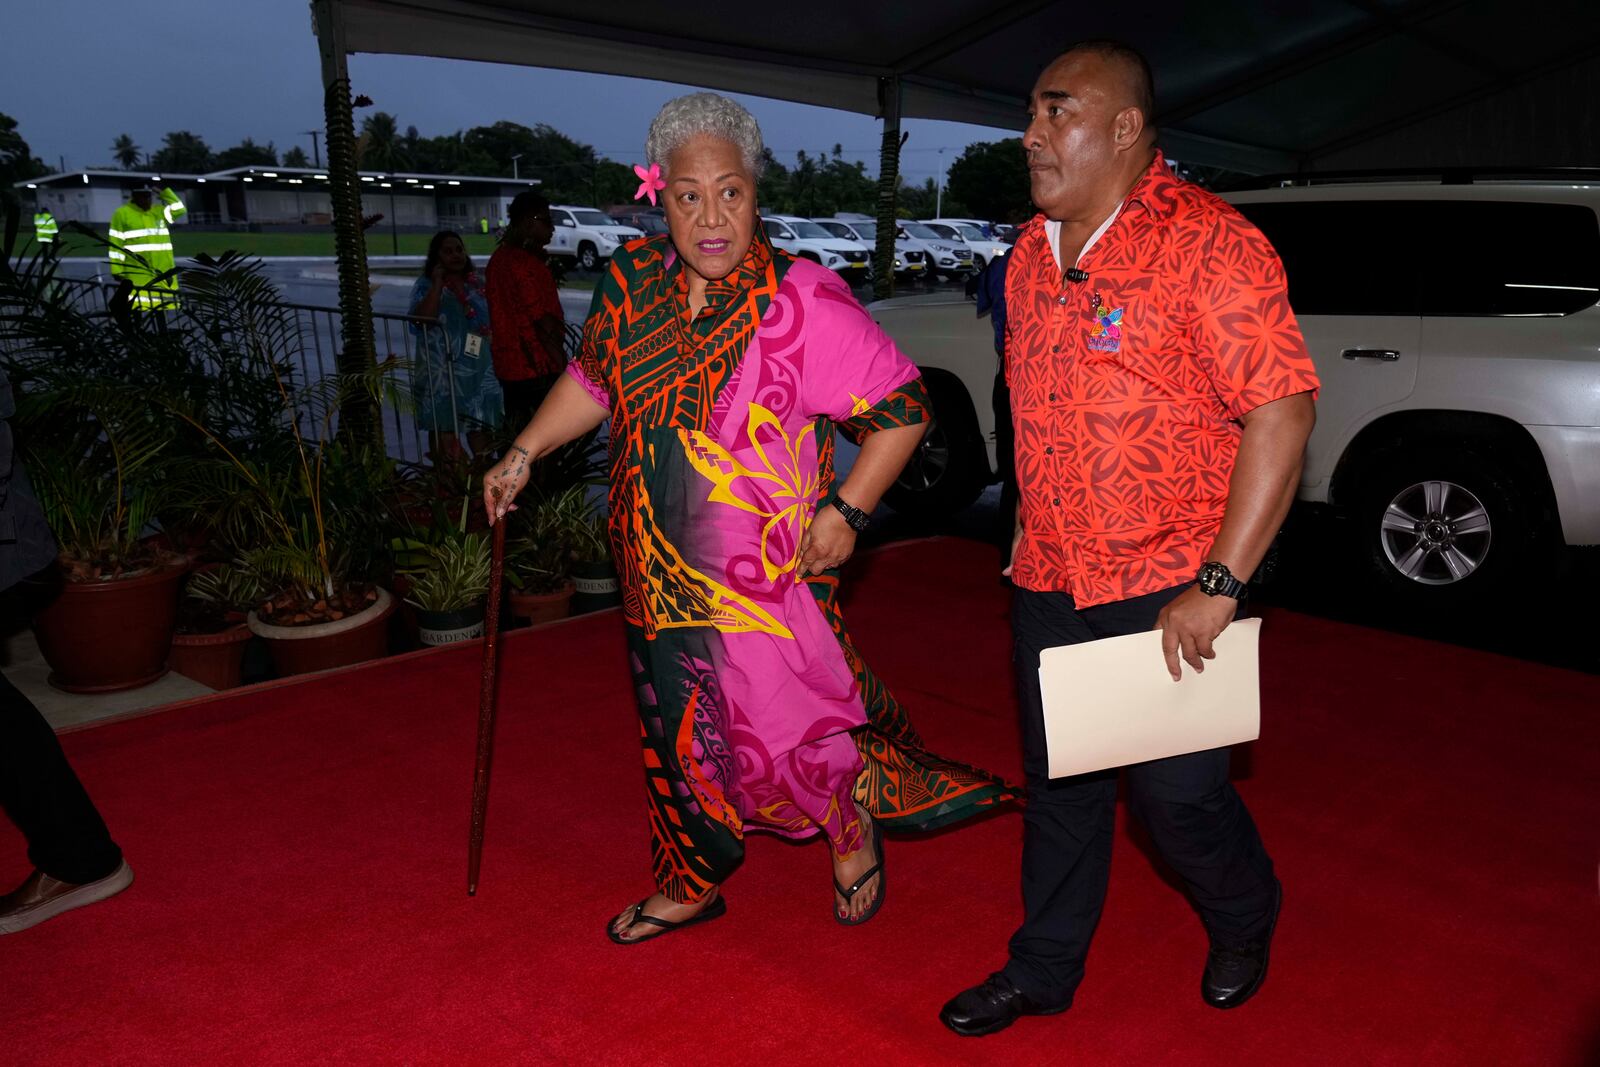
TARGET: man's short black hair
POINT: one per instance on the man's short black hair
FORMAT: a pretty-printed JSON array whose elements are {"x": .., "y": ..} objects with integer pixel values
[
  {"x": 1144, "y": 83},
  {"x": 527, "y": 202}
]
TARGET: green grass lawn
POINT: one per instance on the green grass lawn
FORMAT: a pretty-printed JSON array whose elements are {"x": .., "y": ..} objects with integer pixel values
[{"x": 188, "y": 242}]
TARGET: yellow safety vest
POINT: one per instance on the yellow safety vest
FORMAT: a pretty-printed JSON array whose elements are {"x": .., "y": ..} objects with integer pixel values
[
  {"x": 141, "y": 251},
  {"x": 44, "y": 227}
]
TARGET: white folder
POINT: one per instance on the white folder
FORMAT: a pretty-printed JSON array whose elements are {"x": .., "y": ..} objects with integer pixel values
[{"x": 1111, "y": 702}]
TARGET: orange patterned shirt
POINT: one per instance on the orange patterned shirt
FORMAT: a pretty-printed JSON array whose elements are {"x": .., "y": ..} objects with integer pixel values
[{"x": 1127, "y": 388}]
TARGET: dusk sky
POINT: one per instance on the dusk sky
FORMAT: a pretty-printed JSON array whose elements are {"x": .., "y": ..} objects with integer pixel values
[{"x": 94, "y": 69}]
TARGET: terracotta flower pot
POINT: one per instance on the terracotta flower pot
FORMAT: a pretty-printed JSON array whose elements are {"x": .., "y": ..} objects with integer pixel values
[
  {"x": 325, "y": 645},
  {"x": 543, "y": 607},
  {"x": 103, "y": 636},
  {"x": 215, "y": 660},
  {"x": 448, "y": 627}
]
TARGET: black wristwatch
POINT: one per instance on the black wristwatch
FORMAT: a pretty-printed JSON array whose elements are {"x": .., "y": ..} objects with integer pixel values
[
  {"x": 859, "y": 520},
  {"x": 1216, "y": 580}
]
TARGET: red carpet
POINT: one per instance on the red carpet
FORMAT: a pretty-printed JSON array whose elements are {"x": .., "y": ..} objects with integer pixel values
[{"x": 300, "y": 853}]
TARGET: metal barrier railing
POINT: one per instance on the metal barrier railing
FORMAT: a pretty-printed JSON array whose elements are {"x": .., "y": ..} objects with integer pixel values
[{"x": 414, "y": 342}]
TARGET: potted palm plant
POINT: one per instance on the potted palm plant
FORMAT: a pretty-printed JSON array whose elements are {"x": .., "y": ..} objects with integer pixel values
[
  {"x": 97, "y": 480},
  {"x": 210, "y": 642},
  {"x": 303, "y": 512}
]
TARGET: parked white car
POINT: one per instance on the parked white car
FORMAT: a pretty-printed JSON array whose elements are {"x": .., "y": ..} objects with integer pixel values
[
  {"x": 908, "y": 261},
  {"x": 1456, "y": 332},
  {"x": 985, "y": 249},
  {"x": 945, "y": 256},
  {"x": 804, "y": 238},
  {"x": 586, "y": 235}
]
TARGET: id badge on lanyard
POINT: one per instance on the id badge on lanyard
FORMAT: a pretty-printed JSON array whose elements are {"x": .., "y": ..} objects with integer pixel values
[{"x": 474, "y": 345}]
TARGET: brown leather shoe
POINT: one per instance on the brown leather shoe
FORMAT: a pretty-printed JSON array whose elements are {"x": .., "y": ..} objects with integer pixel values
[{"x": 42, "y": 897}]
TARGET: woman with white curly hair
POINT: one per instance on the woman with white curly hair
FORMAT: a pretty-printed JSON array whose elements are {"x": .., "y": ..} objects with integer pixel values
[{"x": 726, "y": 366}]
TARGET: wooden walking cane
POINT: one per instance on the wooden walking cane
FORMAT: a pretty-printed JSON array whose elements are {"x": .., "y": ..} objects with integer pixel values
[{"x": 491, "y": 634}]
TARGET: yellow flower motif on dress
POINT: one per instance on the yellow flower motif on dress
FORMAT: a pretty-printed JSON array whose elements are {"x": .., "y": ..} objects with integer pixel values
[
  {"x": 860, "y": 406},
  {"x": 789, "y": 486}
]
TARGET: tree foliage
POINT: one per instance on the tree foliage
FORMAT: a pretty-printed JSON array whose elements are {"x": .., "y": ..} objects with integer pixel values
[
  {"x": 125, "y": 152},
  {"x": 296, "y": 157},
  {"x": 989, "y": 180},
  {"x": 245, "y": 153},
  {"x": 183, "y": 152}
]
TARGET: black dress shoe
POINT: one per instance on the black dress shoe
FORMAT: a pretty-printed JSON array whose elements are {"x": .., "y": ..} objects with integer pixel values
[
  {"x": 1235, "y": 971},
  {"x": 991, "y": 1007}
]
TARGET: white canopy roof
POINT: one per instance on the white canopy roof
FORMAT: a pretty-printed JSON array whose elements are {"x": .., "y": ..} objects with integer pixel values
[{"x": 1247, "y": 84}]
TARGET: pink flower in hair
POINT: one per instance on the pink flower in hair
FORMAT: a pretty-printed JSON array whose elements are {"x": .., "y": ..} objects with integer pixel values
[{"x": 650, "y": 181}]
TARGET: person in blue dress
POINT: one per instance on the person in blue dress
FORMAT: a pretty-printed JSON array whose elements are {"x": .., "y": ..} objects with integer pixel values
[{"x": 452, "y": 379}]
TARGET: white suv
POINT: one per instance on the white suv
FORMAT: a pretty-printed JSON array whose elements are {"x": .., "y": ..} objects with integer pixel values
[
  {"x": 804, "y": 238},
  {"x": 908, "y": 261},
  {"x": 984, "y": 248},
  {"x": 945, "y": 256},
  {"x": 586, "y": 235},
  {"x": 1456, "y": 332}
]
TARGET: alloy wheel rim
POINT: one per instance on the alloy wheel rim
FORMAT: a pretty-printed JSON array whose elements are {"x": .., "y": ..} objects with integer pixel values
[
  {"x": 1435, "y": 532},
  {"x": 928, "y": 463}
]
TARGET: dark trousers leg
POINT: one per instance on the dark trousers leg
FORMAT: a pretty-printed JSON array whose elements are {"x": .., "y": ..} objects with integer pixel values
[
  {"x": 67, "y": 839},
  {"x": 1196, "y": 819},
  {"x": 1066, "y": 825}
]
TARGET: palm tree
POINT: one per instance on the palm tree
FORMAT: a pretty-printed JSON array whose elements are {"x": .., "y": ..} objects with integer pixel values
[
  {"x": 126, "y": 152},
  {"x": 380, "y": 147}
]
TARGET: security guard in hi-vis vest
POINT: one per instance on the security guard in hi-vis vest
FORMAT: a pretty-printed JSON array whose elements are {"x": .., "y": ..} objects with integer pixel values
[
  {"x": 44, "y": 227},
  {"x": 141, "y": 250}
]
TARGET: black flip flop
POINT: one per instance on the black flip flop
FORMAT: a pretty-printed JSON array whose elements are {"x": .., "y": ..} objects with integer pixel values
[
  {"x": 876, "y": 870},
  {"x": 714, "y": 910}
]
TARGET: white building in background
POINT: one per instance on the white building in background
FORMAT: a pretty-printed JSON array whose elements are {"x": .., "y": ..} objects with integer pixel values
[{"x": 284, "y": 197}]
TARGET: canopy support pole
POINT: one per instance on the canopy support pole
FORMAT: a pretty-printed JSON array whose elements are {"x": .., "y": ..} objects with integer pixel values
[{"x": 888, "y": 187}]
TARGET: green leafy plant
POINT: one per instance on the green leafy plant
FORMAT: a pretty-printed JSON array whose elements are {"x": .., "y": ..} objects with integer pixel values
[
  {"x": 217, "y": 598},
  {"x": 548, "y": 530},
  {"x": 453, "y": 574}
]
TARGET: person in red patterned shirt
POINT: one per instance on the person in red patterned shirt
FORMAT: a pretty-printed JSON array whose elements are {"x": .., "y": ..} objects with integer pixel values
[
  {"x": 525, "y": 310},
  {"x": 1162, "y": 397}
]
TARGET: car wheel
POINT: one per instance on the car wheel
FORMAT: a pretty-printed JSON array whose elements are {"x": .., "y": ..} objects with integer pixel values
[
  {"x": 1442, "y": 525},
  {"x": 588, "y": 257},
  {"x": 978, "y": 263},
  {"x": 951, "y": 466}
]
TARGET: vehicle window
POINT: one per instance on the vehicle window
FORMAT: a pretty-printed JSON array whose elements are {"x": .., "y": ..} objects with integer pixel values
[
  {"x": 865, "y": 231},
  {"x": 972, "y": 233},
  {"x": 919, "y": 231},
  {"x": 561, "y": 218},
  {"x": 811, "y": 231},
  {"x": 775, "y": 230},
  {"x": 838, "y": 229},
  {"x": 1507, "y": 258},
  {"x": 947, "y": 232},
  {"x": 589, "y": 217},
  {"x": 1345, "y": 257}
]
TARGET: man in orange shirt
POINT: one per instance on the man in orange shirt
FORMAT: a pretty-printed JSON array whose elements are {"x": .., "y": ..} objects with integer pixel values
[
  {"x": 525, "y": 310},
  {"x": 1162, "y": 396}
]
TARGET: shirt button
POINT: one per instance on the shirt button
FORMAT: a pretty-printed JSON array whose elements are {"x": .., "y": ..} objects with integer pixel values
[
  {"x": 1055, "y": 348},
  {"x": 1062, "y": 299},
  {"x": 1050, "y": 451},
  {"x": 1055, "y": 502},
  {"x": 1052, "y": 398}
]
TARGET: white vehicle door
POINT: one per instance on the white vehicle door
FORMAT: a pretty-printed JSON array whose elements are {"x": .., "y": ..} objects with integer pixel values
[
  {"x": 1354, "y": 273},
  {"x": 781, "y": 236},
  {"x": 564, "y": 236}
]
